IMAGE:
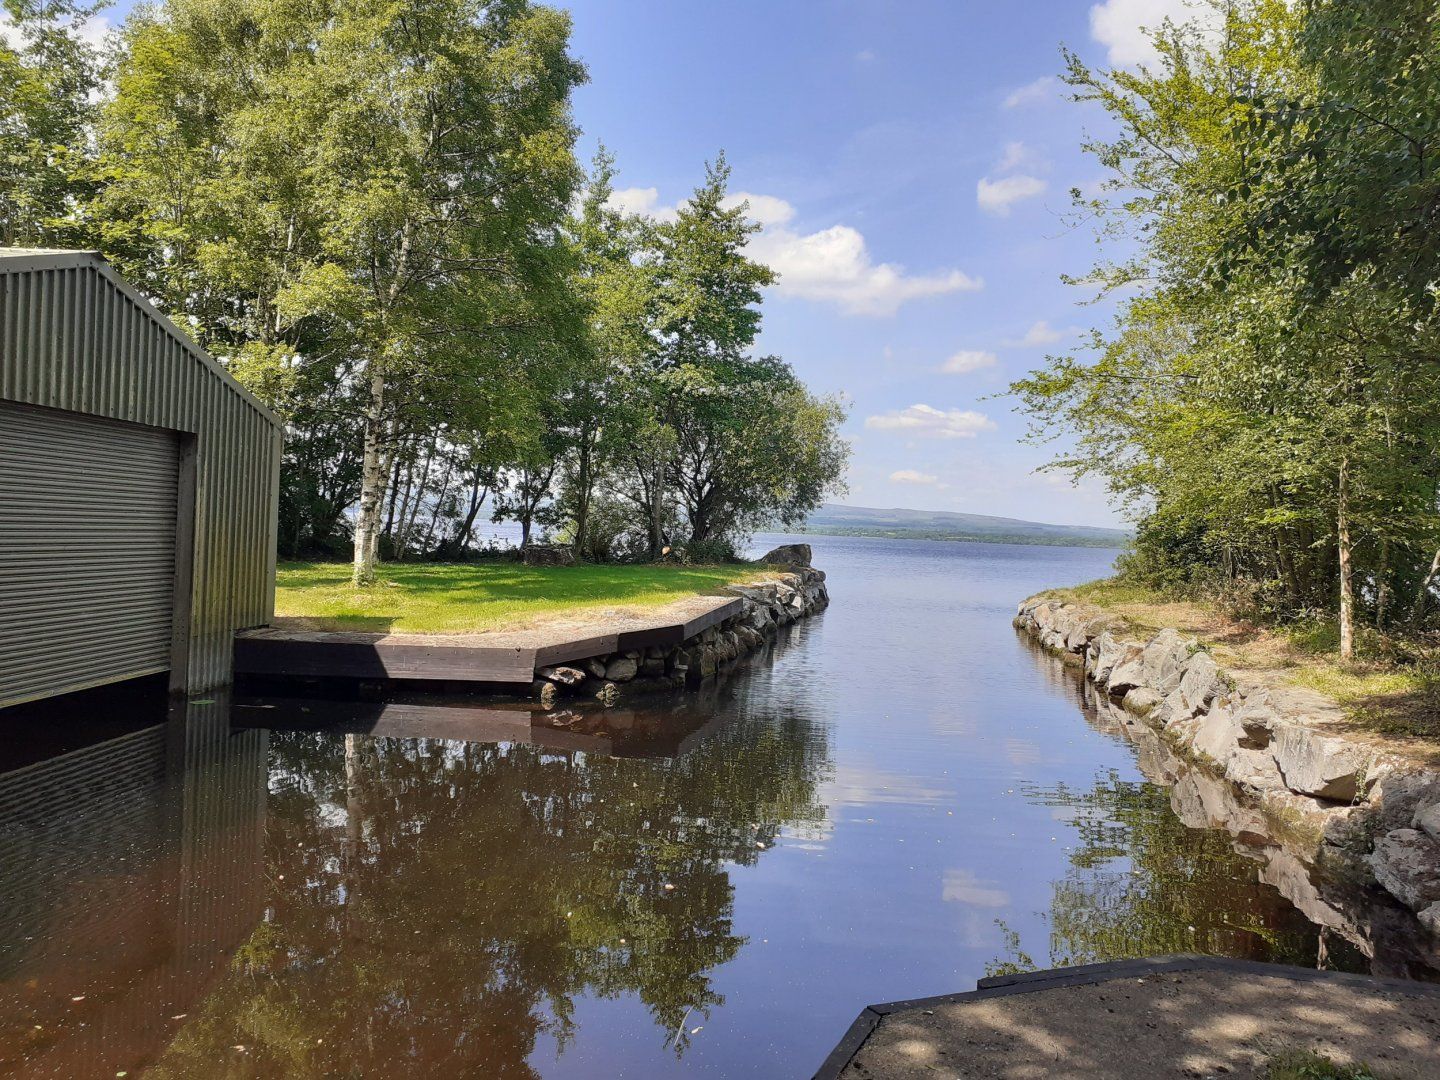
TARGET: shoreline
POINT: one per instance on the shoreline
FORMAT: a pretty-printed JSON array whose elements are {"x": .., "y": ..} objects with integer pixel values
[{"x": 1354, "y": 807}]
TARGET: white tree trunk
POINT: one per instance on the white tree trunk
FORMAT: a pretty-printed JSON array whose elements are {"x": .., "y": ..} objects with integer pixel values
[
  {"x": 1347, "y": 582},
  {"x": 372, "y": 480}
]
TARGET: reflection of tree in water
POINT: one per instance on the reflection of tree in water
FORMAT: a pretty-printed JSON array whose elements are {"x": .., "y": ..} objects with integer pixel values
[
  {"x": 438, "y": 902},
  {"x": 1143, "y": 884}
]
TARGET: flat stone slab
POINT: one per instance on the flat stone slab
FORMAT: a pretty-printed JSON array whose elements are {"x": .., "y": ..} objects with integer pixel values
[{"x": 1171, "y": 1017}]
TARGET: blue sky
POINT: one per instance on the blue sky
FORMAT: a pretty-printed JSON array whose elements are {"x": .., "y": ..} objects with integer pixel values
[{"x": 912, "y": 162}]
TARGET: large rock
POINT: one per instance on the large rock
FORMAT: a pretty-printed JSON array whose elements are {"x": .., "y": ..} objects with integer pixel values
[
  {"x": 1105, "y": 651},
  {"x": 1128, "y": 670},
  {"x": 789, "y": 555},
  {"x": 1163, "y": 664},
  {"x": 1323, "y": 766},
  {"x": 562, "y": 674},
  {"x": 548, "y": 555},
  {"x": 1406, "y": 863},
  {"x": 1200, "y": 684},
  {"x": 1216, "y": 737},
  {"x": 621, "y": 669},
  {"x": 1257, "y": 718},
  {"x": 1427, "y": 820},
  {"x": 1140, "y": 700}
]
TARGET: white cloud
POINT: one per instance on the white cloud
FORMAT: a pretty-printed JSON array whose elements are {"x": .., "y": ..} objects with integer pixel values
[
  {"x": 1120, "y": 26},
  {"x": 1016, "y": 154},
  {"x": 94, "y": 31},
  {"x": 1032, "y": 92},
  {"x": 1042, "y": 333},
  {"x": 968, "y": 360},
  {"x": 998, "y": 196},
  {"x": 965, "y": 887},
  {"x": 911, "y": 476},
  {"x": 928, "y": 422},
  {"x": 637, "y": 200},
  {"x": 834, "y": 265},
  {"x": 865, "y": 56}
]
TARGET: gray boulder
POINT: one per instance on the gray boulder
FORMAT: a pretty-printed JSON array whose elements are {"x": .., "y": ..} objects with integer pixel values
[
  {"x": 1140, "y": 700},
  {"x": 1319, "y": 765},
  {"x": 1128, "y": 670},
  {"x": 1164, "y": 660},
  {"x": 1406, "y": 863},
  {"x": 1427, "y": 820},
  {"x": 789, "y": 555},
  {"x": 563, "y": 675},
  {"x": 621, "y": 669}
]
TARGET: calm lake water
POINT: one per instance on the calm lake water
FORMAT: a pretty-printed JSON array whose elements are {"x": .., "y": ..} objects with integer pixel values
[{"x": 904, "y": 798}]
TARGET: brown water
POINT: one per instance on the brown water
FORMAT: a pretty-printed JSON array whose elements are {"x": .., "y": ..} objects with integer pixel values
[{"x": 904, "y": 797}]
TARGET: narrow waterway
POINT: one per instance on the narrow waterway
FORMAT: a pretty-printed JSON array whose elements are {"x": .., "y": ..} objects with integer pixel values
[{"x": 903, "y": 798}]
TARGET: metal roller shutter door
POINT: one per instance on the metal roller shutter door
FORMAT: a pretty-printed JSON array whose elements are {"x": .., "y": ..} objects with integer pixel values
[{"x": 87, "y": 551}]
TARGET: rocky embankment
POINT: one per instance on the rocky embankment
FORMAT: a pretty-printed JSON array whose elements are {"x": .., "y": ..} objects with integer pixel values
[
  {"x": 1338, "y": 799},
  {"x": 764, "y": 608}
]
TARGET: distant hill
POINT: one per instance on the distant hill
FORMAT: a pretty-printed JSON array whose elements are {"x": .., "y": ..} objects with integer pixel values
[{"x": 835, "y": 520}]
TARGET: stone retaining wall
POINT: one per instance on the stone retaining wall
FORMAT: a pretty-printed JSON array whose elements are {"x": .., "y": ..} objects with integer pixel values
[
  {"x": 1340, "y": 801},
  {"x": 765, "y": 607}
]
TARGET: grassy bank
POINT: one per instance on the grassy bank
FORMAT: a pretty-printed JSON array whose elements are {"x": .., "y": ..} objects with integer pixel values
[
  {"x": 1392, "y": 690},
  {"x": 471, "y": 597}
]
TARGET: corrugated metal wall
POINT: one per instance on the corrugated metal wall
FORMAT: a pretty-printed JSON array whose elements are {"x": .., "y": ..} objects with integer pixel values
[{"x": 73, "y": 336}]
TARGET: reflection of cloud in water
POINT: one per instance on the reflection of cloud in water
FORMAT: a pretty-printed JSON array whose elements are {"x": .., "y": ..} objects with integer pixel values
[
  {"x": 963, "y": 887},
  {"x": 1023, "y": 752},
  {"x": 952, "y": 723},
  {"x": 858, "y": 785}
]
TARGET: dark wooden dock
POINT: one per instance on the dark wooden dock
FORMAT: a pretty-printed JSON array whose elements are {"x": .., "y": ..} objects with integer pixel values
[{"x": 501, "y": 659}]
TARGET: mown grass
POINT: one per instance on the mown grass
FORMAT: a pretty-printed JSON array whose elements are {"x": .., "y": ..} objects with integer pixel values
[
  {"x": 470, "y": 597},
  {"x": 1391, "y": 690}
]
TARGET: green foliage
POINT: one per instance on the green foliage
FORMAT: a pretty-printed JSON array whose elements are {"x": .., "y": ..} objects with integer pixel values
[
  {"x": 49, "y": 81},
  {"x": 371, "y": 212},
  {"x": 1267, "y": 403}
]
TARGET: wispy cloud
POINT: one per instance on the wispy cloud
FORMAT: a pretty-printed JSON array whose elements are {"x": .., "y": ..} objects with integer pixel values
[
  {"x": 968, "y": 360},
  {"x": 913, "y": 476},
  {"x": 1121, "y": 25},
  {"x": 1042, "y": 333},
  {"x": 928, "y": 422},
  {"x": 1032, "y": 92},
  {"x": 831, "y": 265},
  {"x": 996, "y": 197}
]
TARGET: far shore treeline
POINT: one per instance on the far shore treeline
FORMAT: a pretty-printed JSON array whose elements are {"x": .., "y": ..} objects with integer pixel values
[
  {"x": 1267, "y": 403},
  {"x": 373, "y": 215}
]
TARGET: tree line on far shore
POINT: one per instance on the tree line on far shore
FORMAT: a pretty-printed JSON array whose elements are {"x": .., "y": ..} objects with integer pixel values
[
  {"x": 373, "y": 215},
  {"x": 1267, "y": 403}
]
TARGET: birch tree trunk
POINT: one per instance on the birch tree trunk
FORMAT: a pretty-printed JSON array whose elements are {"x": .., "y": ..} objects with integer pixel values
[
  {"x": 367, "y": 523},
  {"x": 1423, "y": 593},
  {"x": 1343, "y": 550}
]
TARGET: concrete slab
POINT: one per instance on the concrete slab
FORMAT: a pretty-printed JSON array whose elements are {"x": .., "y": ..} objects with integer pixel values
[{"x": 1169, "y": 1017}]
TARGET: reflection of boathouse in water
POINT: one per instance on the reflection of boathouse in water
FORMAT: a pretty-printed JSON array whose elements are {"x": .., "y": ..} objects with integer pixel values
[{"x": 131, "y": 866}]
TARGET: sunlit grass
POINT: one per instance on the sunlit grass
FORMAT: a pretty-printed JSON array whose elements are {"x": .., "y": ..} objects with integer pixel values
[
  {"x": 471, "y": 597},
  {"x": 1392, "y": 689}
]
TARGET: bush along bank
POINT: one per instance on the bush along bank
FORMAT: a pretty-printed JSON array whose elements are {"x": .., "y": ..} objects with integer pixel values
[
  {"x": 1345, "y": 802},
  {"x": 764, "y": 608}
]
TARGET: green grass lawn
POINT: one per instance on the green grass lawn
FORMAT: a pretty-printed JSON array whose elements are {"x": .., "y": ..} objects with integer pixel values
[{"x": 443, "y": 598}]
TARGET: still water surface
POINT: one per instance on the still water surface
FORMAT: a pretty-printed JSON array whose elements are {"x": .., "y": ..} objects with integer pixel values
[{"x": 903, "y": 798}]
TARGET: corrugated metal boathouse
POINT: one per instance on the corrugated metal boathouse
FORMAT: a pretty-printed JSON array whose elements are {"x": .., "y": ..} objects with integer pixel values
[{"x": 138, "y": 488}]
